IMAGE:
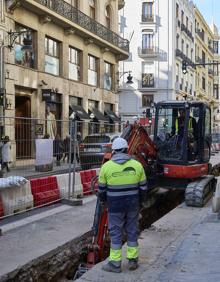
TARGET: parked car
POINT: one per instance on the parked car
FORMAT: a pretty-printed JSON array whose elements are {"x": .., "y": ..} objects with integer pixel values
[{"x": 93, "y": 148}]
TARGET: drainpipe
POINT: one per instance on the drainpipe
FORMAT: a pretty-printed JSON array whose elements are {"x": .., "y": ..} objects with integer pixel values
[
  {"x": 168, "y": 47},
  {"x": 2, "y": 86}
]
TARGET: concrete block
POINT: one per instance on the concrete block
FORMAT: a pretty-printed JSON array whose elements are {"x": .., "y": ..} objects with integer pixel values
[{"x": 17, "y": 199}]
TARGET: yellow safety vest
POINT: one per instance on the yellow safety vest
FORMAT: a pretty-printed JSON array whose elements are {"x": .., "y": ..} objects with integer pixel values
[{"x": 190, "y": 127}]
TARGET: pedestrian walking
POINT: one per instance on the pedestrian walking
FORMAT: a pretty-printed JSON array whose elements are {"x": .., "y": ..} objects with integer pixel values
[
  {"x": 6, "y": 153},
  {"x": 66, "y": 148},
  {"x": 122, "y": 184},
  {"x": 58, "y": 148}
]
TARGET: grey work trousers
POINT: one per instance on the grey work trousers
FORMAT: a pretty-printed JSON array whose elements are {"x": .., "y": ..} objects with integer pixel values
[{"x": 123, "y": 221}]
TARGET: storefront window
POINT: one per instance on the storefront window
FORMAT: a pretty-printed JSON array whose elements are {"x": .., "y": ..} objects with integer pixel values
[
  {"x": 24, "y": 54},
  {"x": 92, "y": 71},
  {"x": 108, "y": 76},
  {"x": 74, "y": 63},
  {"x": 52, "y": 61}
]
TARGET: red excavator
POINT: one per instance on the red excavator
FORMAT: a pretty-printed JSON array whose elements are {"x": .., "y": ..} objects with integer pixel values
[{"x": 176, "y": 157}]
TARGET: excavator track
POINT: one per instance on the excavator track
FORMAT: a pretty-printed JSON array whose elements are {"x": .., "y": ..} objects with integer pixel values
[{"x": 197, "y": 193}]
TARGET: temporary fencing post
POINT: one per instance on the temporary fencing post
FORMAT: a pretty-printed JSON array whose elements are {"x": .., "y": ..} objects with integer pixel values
[
  {"x": 74, "y": 123},
  {"x": 73, "y": 132},
  {"x": 70, "y": 153}
]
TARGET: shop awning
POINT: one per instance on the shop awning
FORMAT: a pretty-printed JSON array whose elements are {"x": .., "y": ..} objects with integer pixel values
[
  {"x": 80, "y": 112},
  {"x": 99, "y": 116},
  {"x": 112, "y": 116}
]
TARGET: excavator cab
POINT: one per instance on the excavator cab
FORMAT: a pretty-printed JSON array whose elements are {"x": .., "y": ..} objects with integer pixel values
[{"x": 183, "y": 132}]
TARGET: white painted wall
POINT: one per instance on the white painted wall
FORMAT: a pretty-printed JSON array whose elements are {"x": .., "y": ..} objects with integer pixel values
[{"x": 164, "y": 67}]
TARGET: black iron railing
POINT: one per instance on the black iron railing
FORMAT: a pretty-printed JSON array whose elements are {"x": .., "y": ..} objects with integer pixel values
[
  {"x": 211, "y": 72},
  {"x": 187, "y": 31},
  {"x": 180, "y": 54},
  {"x": 147, "y": 18},
  {"x": 76, "y": 16},
  {"x": 200, "y": 33},
  {"x": 151, "y": 50}
]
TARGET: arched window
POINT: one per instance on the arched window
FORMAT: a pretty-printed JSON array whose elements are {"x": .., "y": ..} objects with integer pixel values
[
  {"x": 92, "y": 9},
  {"x": 108, "y": 17}
]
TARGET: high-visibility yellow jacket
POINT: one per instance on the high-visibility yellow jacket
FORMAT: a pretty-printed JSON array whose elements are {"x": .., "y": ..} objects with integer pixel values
[{"x": 122, "y": 183}]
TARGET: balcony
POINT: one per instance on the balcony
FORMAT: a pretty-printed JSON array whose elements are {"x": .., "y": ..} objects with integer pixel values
[
  {"x": 148, "y": 52},
  {"x": 181, "y": 55},
  {"x": 187, "y": 31},
  {"x": 199, "y": 60},
  {"x": 200, "y": 34},
  {"x": 147, "y": 18},
  {"x": 211, "y": 48},
  {"x": 211, "y": 72},
  {"x": 70, "y": 17}
]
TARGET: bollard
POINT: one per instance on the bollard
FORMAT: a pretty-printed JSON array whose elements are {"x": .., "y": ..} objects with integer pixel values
[
  {"x": 1, "y": 171},
  {"x": 216, "y": 199}
]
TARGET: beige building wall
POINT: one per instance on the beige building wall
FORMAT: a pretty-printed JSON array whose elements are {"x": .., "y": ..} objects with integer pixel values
[
  {"x": 206, "y": 76},
  {"x": 46, "y": 22}
]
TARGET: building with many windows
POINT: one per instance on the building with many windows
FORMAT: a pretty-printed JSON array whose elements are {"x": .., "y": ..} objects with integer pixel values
[
  {"x": 162, "y": 35},
  {"x": 64, "y": 54},
  {"x": 207, "y": 76}
]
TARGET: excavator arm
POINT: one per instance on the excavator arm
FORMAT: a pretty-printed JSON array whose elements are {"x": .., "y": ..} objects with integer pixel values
[{"x": 142, "y": 148}]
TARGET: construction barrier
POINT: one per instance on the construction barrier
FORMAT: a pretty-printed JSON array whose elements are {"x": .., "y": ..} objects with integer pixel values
[
  {"x": 45, "y": 190},
  {"x": 63, "y": 184},
  {"x": 86, "y": 178},
  {"x": 17, "y": 199}
]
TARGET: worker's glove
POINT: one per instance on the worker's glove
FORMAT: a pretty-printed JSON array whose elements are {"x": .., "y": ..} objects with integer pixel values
[{"x": 102, "y": 197}]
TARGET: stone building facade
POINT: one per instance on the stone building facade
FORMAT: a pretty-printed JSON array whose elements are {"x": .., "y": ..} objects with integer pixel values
[
  {"x": 207, "y": 76},
  {"x": 64, "y": 56},
  {"x": 162, "y": 35}
]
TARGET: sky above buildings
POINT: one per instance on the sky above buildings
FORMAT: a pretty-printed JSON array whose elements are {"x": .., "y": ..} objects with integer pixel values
[{"x": 210, "y": 9}]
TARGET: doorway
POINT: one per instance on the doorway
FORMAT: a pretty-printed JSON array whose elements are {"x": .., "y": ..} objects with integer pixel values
[{"x": 23, "y": 126}]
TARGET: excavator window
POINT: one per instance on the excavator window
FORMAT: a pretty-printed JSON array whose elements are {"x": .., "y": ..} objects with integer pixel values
[{"x": 177, "y": 133}]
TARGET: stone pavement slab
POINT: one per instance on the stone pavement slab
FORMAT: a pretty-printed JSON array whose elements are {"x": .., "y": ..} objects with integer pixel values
[
  {"x": 43, "y": 234},
  {"x": 175, "y": 249}
]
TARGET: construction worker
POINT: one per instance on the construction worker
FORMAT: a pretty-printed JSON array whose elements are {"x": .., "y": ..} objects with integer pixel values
[
  {"x": 178, "y": 127},
  {"x": 122, "y": 183}
]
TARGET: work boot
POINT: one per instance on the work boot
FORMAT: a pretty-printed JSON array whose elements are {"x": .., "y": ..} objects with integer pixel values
[
  {"x": 109, "y": 267},
  {"x": 132, "y": 264}
]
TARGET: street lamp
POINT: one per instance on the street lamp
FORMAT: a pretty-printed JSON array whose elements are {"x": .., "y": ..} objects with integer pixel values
[
  {"x": 129, "y": 77},
  {"x": 27, "y": 41}
]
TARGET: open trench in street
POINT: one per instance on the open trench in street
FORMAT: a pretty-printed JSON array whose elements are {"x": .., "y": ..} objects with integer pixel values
[{"x": 62, "y": 263}]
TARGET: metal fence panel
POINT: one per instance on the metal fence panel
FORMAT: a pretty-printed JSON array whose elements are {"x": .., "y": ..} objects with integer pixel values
[{"x": 33, "y": 154}]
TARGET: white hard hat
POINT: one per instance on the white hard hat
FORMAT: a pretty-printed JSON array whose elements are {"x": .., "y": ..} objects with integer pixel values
[{"x": 119, "y": 143}]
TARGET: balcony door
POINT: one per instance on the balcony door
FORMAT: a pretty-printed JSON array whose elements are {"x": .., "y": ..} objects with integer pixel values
[{"x": 147, "y": 42}]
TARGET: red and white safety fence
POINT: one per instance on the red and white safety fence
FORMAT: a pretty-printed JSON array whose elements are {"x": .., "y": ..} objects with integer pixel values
[{"x": 43, "y": 191}]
